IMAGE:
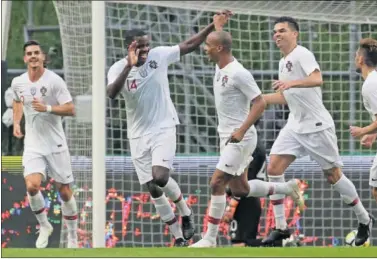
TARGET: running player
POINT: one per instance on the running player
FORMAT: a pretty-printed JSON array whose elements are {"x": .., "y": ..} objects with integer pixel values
[
  {"x": 235, "y": 89},
  {"x": 43, "y": 97},
  {"x": 309, "y": 131}
]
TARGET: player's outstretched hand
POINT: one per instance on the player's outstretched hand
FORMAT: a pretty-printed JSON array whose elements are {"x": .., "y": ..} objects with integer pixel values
[
  {"x": 38, "y": 105},
  {"x": 356, "y": 132},
  {"x": 279, "y": 85},
  {"x": 17, "y": 131},
  {"x": 221, "y": 18},
  {"x": 133, "y": 54},
  {"x": 368, "y": 140}
]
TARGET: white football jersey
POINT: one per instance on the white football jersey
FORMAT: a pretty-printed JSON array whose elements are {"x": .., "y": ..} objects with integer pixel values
[
  {"x": 44, "y": 132},
  {"x": 234, "y": 89},
  {"x": 369, "y": 92},
  {"x": 146, "y": 92},
  {"x": 307, "y": 112}
]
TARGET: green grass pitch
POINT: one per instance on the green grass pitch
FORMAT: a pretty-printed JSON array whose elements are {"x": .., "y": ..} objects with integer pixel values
[{"x": 228, "y": 252}]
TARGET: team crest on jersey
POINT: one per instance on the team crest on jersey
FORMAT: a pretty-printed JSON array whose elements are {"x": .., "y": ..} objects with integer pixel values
[
  {"x": 289, "y": 66},
  {"x": 224, "y": 81},
  {"x": 33, "y": 91},
  {"x": 143, "y": 71},
  {"x": 153, "y": 64},
  {"x": 43, "y": 91}
]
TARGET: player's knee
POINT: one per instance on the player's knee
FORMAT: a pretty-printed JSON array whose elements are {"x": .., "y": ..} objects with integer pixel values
[
  {"x": 32, "y": 187},
  {"x": 374, "y": 192},
  {"x": 217, "y": 186},
  {"x": 153, "y": 189},
  {"x": 333, "y": 175},
  {"x": 160, "y": 175},
  {"x": 65, "y": 192}
]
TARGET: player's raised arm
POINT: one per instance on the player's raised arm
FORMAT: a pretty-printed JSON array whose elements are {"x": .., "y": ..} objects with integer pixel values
[
  {"x": 219, "y": 20},
  {"x": 116, "y": 79}
]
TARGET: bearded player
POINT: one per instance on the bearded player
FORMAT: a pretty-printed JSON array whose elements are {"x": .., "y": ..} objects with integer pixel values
[
  {"x": 43, "y": 97},
  {"x": 235, "y": 90},
  {"x": 310, "y": 129},
  {"x": 142, "y": 78},
  {"x": 366, "y": 63}
]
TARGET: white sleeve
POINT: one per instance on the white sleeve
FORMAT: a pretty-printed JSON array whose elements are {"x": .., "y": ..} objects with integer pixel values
[
  {"x": 13, "y": 87},
  {"x": 308, "y": 62},
  {"x": 62, "y": 94},
  {"x": 170, "y": 54},
  {"x": 371, "y": 97},
  {"x": 9, "y": 97},
  {"x": 114, "y": 71},
  {"x": 244, "y": 81}
]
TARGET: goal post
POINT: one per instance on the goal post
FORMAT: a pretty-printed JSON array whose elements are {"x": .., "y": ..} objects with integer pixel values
[
  {"x": 99, "y": 122},
  {"x": 92, "y": 35},
  {"x": 6, "y": 7}
]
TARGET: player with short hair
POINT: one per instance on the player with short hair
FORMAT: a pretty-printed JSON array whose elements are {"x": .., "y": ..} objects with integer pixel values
[
  {"x": 366, "y": 64},
  {"x": 142, "y": 78},
  {"x": 310, "y": 129},
  {"x": 43, "y": 97},
  {"x": 235, "y": 89}
]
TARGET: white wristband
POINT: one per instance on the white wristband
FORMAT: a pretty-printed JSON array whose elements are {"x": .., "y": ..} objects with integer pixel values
[{"x": 48, "y": 108}]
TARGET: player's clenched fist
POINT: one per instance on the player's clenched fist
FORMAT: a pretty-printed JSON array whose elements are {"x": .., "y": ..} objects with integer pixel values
[
  {"x": 221, "y": 18},
  {"x": 38, "y": 105},
  {"x": 279, "y": 85},
  {"x": 133, "y": 54},
  {"x": 17, "y": 131}
]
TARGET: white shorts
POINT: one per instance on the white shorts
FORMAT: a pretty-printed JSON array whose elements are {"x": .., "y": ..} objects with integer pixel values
[
  {"x": 235, "y": 157},
  {"x": 321, "y": 146},
  {"x": 373, "y": 174},
  {"x": 153, "y": 149},
  {"x": 58, "y": 165}
]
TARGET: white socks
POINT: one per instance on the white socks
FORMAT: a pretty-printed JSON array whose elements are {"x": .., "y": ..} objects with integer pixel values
[
  {"x": 348, "y": 192},
  {"x": 277, "y": 201},
  {"x": 215, "y": 214},
  {"x": 172, "y": 190},
  {"x": 37, "y": 205},
  {"x": 259, "y": 188},
  {"x": 166, "y": 213},
  {"x": 69, "y": 211}
]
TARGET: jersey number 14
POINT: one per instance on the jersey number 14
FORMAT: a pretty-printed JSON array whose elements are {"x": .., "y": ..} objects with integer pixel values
[{"x": 132, "y": 86}]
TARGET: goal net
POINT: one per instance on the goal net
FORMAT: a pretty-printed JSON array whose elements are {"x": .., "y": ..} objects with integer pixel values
[{"x": 331, "y": 29}]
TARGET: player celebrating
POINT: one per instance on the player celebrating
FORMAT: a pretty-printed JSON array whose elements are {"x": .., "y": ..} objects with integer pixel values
[
  {"x": 366, "y": 63},
  {"x": 43, "y": 97},
  {"x": 151, "y": 118},
  {"x": 310, "y": 128},
  {"x": 234, "y": 90}
]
